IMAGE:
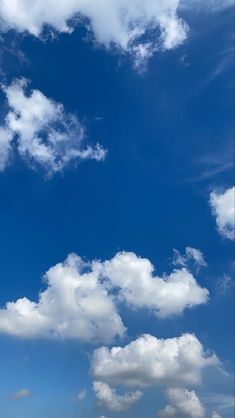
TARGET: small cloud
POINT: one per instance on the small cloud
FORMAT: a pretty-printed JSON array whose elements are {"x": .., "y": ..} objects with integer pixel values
[
  {"x": 191, "y": 254},
  {"x": 223, "y": 209},
  {"x": 81, "y": 395},
  {"x": 42, "y": 132},
  {"x": 223, "y": 285},
  {"x": 21, "y": 394}
]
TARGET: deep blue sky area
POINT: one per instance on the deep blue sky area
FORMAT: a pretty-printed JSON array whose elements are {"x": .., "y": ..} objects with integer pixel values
[{"x": 169, "y": 134}]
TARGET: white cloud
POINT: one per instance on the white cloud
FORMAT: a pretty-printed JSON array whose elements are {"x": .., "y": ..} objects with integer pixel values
[
  {"x": 149, "y": 361},
  {"x": 190, "y": 254},
  {"x": 109, "y": 398},
  {"x": 215, "y": 415},
  {"x": 21, "y": 394},
  {"x": 137, "y": 286},
  {"x": 45, "y": 134},
  {"x": 134, "y": 26},
  {"x": 183, "y": 404},
  {"x": 120, "y": 22},
  {"x": 5, "y": 147},
  {"x": 81, "y": 395},
  {"x": 74, "y": 306},
  {"x": 224, "y": 285},
  {"x": 223, "y": 208},
  {"x": 81, "y": 298},
  {"x": 222, "y": 402}
]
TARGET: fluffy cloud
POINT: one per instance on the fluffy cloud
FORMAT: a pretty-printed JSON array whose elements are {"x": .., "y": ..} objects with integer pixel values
[
  {"x": 215, "y": 415},
  {"x": 74, "y": 305},
  {"x": 45, "y": 134},
  {"x": 81, "y": 298},
  {"x": 183, "y": 403},
  {"x": 223, "y": 208},
  {"x": 190, "y": 254},
  {"x": 109, "y": 398},
  {"x": 137, "y": 286},
  {"x": 123, "y": 23},
  {"x": 21, "y": 394},
  {"x": 150, "y": 361}
]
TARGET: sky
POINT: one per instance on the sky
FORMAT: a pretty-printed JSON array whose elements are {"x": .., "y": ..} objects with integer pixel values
[{"x": 117, "y": 209}]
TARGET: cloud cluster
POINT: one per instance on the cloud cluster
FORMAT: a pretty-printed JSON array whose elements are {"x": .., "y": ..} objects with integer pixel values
[
  {"x": 45, "y": 135},
  {"x": 81, "y": 299},
  {"x": 182, "y": 404},
  {"x": 148, "y": 361},
  {"x": 110, "y": 399},
  {"x": 124, "y": 23},
  {"x": 223, "y": 208}
]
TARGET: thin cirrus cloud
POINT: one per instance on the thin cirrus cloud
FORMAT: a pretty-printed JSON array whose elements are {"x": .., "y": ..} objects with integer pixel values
[
  {"x": 191, "y": 254},
  {"x": 183, "y": 403},
  {"x": 110, "y": 399},
  {"x": 150, "y": 361},
  {"x": 223, "y": 208},
  {"x": 42, "y": 132},
  {"x": 82, "y": 298}
]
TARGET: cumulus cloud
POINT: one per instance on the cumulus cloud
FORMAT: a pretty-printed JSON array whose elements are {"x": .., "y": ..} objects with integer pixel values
[
  {"x": 223, "y": 208},
  {"x": 21, "y": 394},
  {"x": 45, "y": 134},
  {"x": 190, "y": 254},
  {"x": 149, "y": 361},
  {"x": 124, "y": 23},
  {"x": 109, "y": 398},
  {"x": 133, "y": 278},
  {"x": 74, "y": 306},
  {"x": 81, "y": 299},
  {"x": 182, "y": 404}
]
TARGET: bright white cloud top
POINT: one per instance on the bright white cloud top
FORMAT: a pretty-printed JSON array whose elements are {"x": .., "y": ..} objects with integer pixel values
[
  {"x": 138, "y": 287},
  {"x": 223, "y": 208},
  {"x": 45, "y": 134},
  {"x": 108, "y": 397},
  {"x": 123, "y": 23},
  {"x": 150, "y": 361},
  {"x": 81, "y": 300},
  {"x": 182, "y": 403}
]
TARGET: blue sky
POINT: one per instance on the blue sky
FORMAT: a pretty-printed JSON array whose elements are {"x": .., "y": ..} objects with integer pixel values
[{"x": 160, "y": 180}]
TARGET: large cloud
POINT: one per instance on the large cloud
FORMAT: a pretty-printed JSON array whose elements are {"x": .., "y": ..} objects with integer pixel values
[
  {"x": 121, "y": 22},
  {"x": 109, "y": 398},
  {"x": 223, "y": 208},
  {"x": 149, "y": 361},
  {"x": 182, "y": 404},
  {"x": 45, "y": 134},
  {"x": 81, "y": 298},
  {"x": 75, "y": 305}
]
